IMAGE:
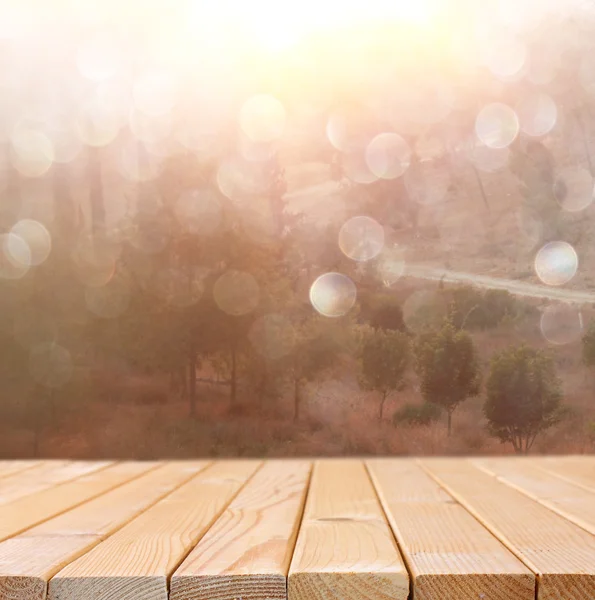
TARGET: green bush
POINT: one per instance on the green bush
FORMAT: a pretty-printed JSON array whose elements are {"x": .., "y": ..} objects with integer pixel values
[{"x": 417, "y": 414}]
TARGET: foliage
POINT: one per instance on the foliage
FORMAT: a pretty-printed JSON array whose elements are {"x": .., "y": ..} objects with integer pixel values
[
  {"x": 384, "y": 312},
  {"x": 448, "y": 367},
  {"x": 523, "y": 396},
  {"x": 385, "y": 357},
  {"x": 425, "y": 413}
]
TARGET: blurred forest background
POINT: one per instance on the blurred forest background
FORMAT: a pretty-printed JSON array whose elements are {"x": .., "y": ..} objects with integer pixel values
[{"x": 376, "y": 240}]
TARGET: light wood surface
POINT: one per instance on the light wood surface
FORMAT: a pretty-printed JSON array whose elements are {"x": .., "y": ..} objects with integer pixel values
[
  {"x": 137, "y": 561},
  {"x": 467, "y": 528},
  {"x": 41, "y": 477},
  {"x": 571, "y": 501},
  {"x": 345, "y": 549},
  {"x": 32, "y": 509},
  {"x": 28, "y": 560},
  {"x": 559, "y": 552},
  {"x": 572, "y": 469},
  {"x": 449, "y": 553},
  {"x": 246, "y": 553},
  {"x": 10, "y": 467}
]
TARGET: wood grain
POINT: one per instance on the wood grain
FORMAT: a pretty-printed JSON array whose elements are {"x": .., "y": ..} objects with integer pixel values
[
  {"x": 448, "y": 552},
  {"x": 573, "y": 469},
  {"x": 41, "y": 477},
  {"x": 559, "y": 552},
  {"x": 26, "y": 512},
  {"x": 11, "y": 467},
  {"x": 246, "y": 553},
  {"x": 136, "y": 562},
  {"x": 345, "y": 549},
  {"x": 28, "y": 560},
  {"x": 568, "y": 500}
]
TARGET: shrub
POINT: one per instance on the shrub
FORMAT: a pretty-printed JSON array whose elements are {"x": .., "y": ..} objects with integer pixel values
[{"x": 417, "y": 414}]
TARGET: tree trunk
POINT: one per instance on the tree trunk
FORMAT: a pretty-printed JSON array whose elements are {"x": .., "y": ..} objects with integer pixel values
[
  {"x": 449, "y": 422},
  {"x": 382, "y": 400},
  {"x": 481, "y": 188},
  {"x": 296, "y": 399},
  {"x": 192, "y": 384}
]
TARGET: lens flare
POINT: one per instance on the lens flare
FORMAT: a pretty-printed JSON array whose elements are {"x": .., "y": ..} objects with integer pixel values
[
  {"x": 574, "y": 188},
  {"x": 497, "y": 125},
  {"x": 561, "y": 324},
  {"x": 556, "y": 263},
  {"x": 262, "y": 118},
  {"x": 236, "y": 293},
  {"x": 388, "y": 156},
  {"x": 333, "y": 294},
  {"x": 36, "y": 237},
  {"x": 361, "y": 238},
  {"x": 32, "y": 151},
  {"x": 15, "y": 256},
  {"x": 537, "y": 114}
]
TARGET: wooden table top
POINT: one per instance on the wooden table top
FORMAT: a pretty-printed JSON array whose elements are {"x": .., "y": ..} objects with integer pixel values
[{"x": 350, "y": 529}]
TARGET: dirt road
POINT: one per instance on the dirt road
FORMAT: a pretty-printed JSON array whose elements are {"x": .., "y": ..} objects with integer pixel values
[{"x": 315, "y": 199}]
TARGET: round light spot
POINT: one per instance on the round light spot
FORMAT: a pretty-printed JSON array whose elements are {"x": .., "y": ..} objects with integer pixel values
[
  {"x": 272, "y": 336},
  {"x": 111, "y": 300},
  {"x": 556, "y": 263},
  {"x": 388, "y": 155},
  {"x": 99, "y": 57},
  {"x": 574, "y": 188},
  {"x": 237, "y": 179},
  {"x": 497, "y": 125},
  {"x": 333, "y": 294},
  {"x": 236, "y": 293},
  {"x": 356, "y": 168},
  {"x": 506, "y": 58},
  {"x": 537, "y": 114},
  {"x": 15, "y": 256},
  {"x": 32, "y": 151},
  {"x": 350, "y": 127},
  {"x": 391, "y": 266},
  {"x": 36, "y": 237},
  {"x": 97, "y": 126},
  {"x": 262, "y": 118},
  {"x": 50, "y": 364},
  {"x": 561, "y": 324},
  {"x": 154, "y": 93},
  {"x": 199, "y": 211},
  {"x": 361, "y": 238}
]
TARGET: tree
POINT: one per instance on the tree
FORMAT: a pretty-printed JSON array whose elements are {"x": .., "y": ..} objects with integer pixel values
[
  {"x": 385, "y": 358},
  {"x": 447, "y": 364},
  {"x": 523, "y": 396}
]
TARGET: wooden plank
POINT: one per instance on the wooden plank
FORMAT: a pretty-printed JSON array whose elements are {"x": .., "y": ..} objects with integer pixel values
[
  {"x": 26, "y": 512},
  {"x": 345, "y": 548},
  {"x": 448, "y": 552},
  {"x": 246, "y": 553},
  {"x": 136, "y": 562},
  {"x": 568, "y": 500},
  {"x": 559, "y": 552},
  {"x": 574, "y": 469},
  {"x": 29, "y": 560},
  {"x": 11, "y": 467},
  {"x": 46, "y": 475}
]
